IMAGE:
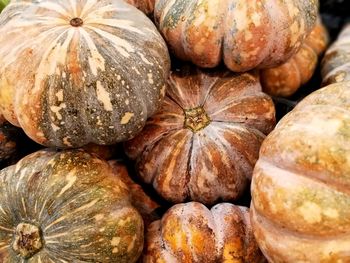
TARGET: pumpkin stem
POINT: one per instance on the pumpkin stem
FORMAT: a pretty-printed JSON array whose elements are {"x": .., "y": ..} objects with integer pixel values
[
  {"x": 28, "y": 240},
  {"x": 196, "y": 119},
  {"x": 76, "y": 22}
]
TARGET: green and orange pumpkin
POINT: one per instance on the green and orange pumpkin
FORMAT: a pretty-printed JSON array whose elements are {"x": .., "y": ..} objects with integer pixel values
[
  {"x": 203, "y": 143},
  {"x": 243, "y": 34},
  {"x": 83, "y": 72},
  {"x": 66, "y": 207}
]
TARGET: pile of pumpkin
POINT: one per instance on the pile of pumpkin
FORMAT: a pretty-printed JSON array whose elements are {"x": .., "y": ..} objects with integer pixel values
[{"x": 197, "y": 127}]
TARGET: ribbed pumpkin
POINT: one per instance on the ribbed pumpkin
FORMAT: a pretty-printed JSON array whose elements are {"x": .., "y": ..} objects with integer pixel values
[
  {"x": 336, "y": 63},
  {"x": 84, "y": 71},
  {"x": 203, "y": 143},
  {"x": 146, "y": 6},
  {"x": 139, "y": 199},
  {"x": 301, "y": 202},
  {"x": 285, "y": 80},
  {"x": 243, "y": 34},
  {"x": 66, "y": 207},
  {"x": 191, "y": 233}
]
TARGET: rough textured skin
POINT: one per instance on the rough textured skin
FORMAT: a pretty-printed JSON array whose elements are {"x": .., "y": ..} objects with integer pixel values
[
  {"x": 7, "y": 139},
  {"x": 300, "y": 188},
  {"x": 190, "y": 233},
  {"x": 81, "y": 208},
  {"x": 203, "y": 143},
  {"x": 245, "y": 34},
  {"x": 336, "y": 63},
  {"x": 139, "y": 199},
  {"x": 66, "y": 85},
  {"x": 146, "y": 6},
  {"x": 285, "y": 80}
]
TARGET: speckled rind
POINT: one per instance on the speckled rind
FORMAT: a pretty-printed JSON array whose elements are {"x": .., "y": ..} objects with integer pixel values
[
  {"x": 190, "y": 233},
  {"x": 69, "y": 86},
  {"x": 300, "y": 187},
  {"x": 144, "y": 204},
  {"x": 82, "y": 209},
  {"x": 245, "y": 34},
  {"x": 146, "y": 6},
  {"x": 336, "y": 63},
  {"x": 215, "y": 162},
  {"x": 285, "y": 80}
]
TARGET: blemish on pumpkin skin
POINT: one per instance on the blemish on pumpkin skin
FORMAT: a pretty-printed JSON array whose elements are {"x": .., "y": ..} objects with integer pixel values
[
  {"x": 311, "y": 212},
  {"x": 126, "y": 118}
]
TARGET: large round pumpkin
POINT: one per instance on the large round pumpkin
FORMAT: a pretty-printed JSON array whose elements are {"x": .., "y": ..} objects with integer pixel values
[
  {"x": 66, "y": 207},
  {"x": 203, "y": 143},
  {"x": 336, "y": 63},
  {"x": 285, "y": 80},
  {"x": 244, "y": 34},
  {"x": 191, "y": 233},
  {"x": 84, "y": 71},
  {"x": 300, "y": 188}
]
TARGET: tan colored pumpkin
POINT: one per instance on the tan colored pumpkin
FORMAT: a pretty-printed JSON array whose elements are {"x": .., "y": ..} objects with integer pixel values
[
  {"x": 285, "y": 80},
  {"x": 244, "y": 34},
  {"x": 300, "y": 198},
  {"x": 336, "y": 63},
  {"x": 203, "y": 143},
  {"x": 66, "y": 207},
  {"x": 83, "y": 72},
  {"x": 139, "y": 199},
  {"x": 146, "y": 6},
  {"x": 191, "y": 233}
]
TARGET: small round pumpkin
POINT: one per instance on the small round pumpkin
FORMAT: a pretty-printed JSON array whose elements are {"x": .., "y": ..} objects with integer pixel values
[
  {"x": 146, "y": 6},
  {"x": 66, "y": 207},
  {"x": 285, "y": 80},
  {"x": 139, "y": 199},
  {"x": 84, "y": 71},
  {"x": 203, "y": 143},
  {"x": 243, "y": 34},
  {"x": 336, "y": 63},
  {"x": 300, "y": 198},
  {"x": 191, "y": 233}
]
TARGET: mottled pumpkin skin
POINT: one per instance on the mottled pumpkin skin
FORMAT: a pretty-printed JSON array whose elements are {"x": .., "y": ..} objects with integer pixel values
[
  {"x": 68, "y": 84},
  {"x": 203, "y": 143},
  {"x": 285, "y": 80},
  {"x": 81, "y": 209},
  {"x": 336, "y": 63},
  {"x": 300, "y": 198},
  {"x": 244, "y": 34},
  {"x": 190, "y": 233},
  {"x": 146, "y": 6},
  {"x": 139, "y": 199}
]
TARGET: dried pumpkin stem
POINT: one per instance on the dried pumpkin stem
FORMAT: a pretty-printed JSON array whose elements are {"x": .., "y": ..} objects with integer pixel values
[
  {"x": 196, "y": 119},
  {"x": 76, "y": 22},
  {"x": 28, "y": 240}
]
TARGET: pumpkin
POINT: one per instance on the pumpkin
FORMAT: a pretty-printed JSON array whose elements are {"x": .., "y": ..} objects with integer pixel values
[
  {"x": 336, "y": 63},
  {"x": 66, "y": 207},
  {"x": 300, "y": 199},
  {"x": 192, "y": 233},
  {"x": 8, "y": 143},
  {"x": 203, "y": 143},
  {"x": 243, "y": 34},
  {"x": 84, "y": 72},
  {"x": 139, "y": 199},
  {"x": 146, "y": 6},
  {"x": 285, "y": 80}
]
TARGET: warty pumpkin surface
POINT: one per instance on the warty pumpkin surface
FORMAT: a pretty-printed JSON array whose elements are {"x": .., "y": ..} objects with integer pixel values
[
  {"x": 285, "y": 80},
  {"x": 191, "y": 233},
  {"x": 203, "y": 143},
  {"x": 144, "y": 204},
  {"x": 243, "y": 34},
  {"x": 300, "y": 188},
  {"x": 66, "y": 207},
  {"x": 336, "y": 63},
  {"x": 84, "y": 71},
  {"x": 146, "y": 6}
]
